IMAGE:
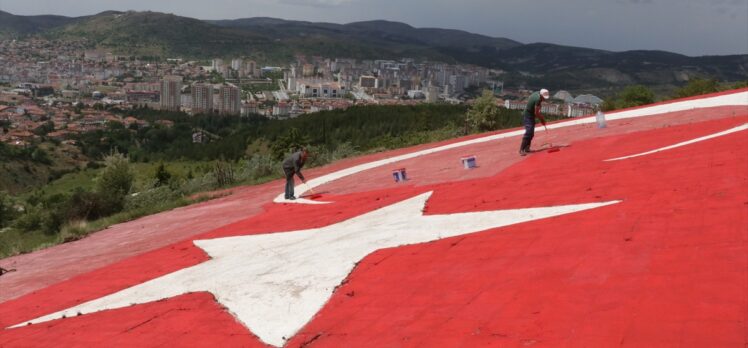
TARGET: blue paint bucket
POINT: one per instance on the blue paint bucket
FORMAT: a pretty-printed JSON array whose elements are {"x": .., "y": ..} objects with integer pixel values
[
  {"x": 469, "y": 162},
  {"x": 399, "y": 175}
]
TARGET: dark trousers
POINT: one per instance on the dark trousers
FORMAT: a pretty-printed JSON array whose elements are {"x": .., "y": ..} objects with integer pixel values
[
  {"x": 289, "y": 181},
  {"x": 529, "y": 122}
]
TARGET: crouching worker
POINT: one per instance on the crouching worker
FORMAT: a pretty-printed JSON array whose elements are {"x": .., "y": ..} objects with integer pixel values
[{"x": 292, "y": 165}]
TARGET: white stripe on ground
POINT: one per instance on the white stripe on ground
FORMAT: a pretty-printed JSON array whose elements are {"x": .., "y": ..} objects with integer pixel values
[
  {"x": 737, "y": 99},
  {"x": 689, "y": 142}
]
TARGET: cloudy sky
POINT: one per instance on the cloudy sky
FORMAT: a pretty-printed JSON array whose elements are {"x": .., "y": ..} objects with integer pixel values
[{"x": 692, "y": 27}]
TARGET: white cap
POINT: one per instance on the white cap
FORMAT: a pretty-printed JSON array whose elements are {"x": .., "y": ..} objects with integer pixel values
[{"x": 544, "y": 92}]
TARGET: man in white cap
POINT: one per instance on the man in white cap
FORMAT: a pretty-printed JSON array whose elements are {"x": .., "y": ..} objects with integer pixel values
[{"x": 532, "y": 110}]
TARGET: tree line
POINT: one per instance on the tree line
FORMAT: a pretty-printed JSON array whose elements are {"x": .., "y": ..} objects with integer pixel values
[
  {"x": 363, "y": 127},
  {"x": 240, "y": 150}
]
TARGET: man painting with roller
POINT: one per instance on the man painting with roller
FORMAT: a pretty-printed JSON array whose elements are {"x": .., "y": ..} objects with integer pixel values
[
  {"x": 532, "y": 110},
  {"x": 292, "y": 165}
]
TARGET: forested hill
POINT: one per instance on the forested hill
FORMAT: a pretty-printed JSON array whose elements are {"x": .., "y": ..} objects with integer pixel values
[
  {"x": 277, "y": 41},
  {"x": 11, "y": 24}
]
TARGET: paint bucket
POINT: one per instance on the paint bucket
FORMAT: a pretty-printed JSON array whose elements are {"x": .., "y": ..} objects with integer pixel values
[
  {"x": 469, "y": 162},
  {"x": 600, "y": 117},
  {"x": 399, "y": 175}
]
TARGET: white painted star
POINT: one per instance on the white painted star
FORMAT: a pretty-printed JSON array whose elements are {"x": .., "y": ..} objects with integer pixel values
[{"x": 275, "y": 283}]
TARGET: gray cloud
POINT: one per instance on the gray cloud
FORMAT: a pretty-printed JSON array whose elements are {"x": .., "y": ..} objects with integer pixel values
[{"x": 318, "y": 3}]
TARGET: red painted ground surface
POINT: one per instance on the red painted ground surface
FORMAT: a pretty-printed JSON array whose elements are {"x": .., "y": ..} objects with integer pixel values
[{"x": 666, "y": 267}]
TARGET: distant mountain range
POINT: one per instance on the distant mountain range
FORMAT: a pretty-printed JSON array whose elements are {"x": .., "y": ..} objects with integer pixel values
[
  {"x": 19, "y": 25},
  {"x": 272, "y": 40}
]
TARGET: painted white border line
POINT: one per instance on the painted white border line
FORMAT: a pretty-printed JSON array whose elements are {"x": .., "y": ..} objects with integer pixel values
[
  {"x": 715, "y": 135},
  {"x": 735, "y": 99}
]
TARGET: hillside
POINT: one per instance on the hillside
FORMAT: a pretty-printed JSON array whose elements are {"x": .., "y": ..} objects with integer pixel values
[
  {"x": 582, "y": 68},
  {"x": 12, "y": 25},
  {"x": 34, "y": 167},
  {"x": 385, "y": 38},
  {"x": 152, "y": 33},
  {"x": 278, "y": 41}
]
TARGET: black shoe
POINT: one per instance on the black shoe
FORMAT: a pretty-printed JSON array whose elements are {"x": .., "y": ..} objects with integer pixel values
[
  {"x": 523, "y": 152},
  {"x": 291, "y": 198}
]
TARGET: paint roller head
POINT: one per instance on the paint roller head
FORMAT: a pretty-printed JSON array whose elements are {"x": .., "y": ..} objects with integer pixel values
[{"x": 312, "y": 196}]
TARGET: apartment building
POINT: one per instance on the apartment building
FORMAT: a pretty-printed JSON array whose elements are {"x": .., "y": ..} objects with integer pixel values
[
  {"x": 202, "y": 98},
  {"x": 171, "y": 89},
  {"x": 230, "y": 100}
]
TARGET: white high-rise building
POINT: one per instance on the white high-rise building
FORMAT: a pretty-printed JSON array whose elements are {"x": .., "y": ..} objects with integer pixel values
[
  {"x": 236, "y": 64},
  {"x": 432, "y": 94},
  {"x": 217, "y": 64}
]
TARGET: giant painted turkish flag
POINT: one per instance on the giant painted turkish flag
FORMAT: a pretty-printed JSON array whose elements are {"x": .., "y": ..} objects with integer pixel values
[{"x": 632, "y": 235}]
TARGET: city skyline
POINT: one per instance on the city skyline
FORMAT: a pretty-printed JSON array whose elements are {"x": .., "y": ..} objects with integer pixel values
[{"x": 691, "y": 27}]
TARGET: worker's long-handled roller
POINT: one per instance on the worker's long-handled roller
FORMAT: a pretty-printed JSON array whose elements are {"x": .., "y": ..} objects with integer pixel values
[
  {"x": 311, "y": 189},
  {"x": 548, "y": 145},
  {"x": 313, "y": 194},
  {"x": 552, "y": 148}
]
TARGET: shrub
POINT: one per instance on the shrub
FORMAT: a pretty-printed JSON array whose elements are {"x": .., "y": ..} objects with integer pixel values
[
  {"x": 344, "y": 150},
  {"x": 73, "y": 230},
  {"x": 288, "y": 143},
  {"x": 151, "y": 198},
  {"x": 93, "y": 165},
  {"x": 697, "y": 87},
  {"x": 40, "y": 156},
  {"x": 631, "y": 96},
  {"x": 739, "y": 84},
  {"x": 52, "y": 221},
  {"x": 162, "y": 175},
  {"x": 116, "y": 178},
  {"x": 31, "y": 220},
  {"x": 224, "y": 173},
  {"x": 636, "y": 95},
  {"x": 203, "y": 182},
  {"x": 318, "y": 156},
  {"x": 7, "y": 209},
  {"x": 260, "y": 166},
  {"x": 84, "y": 205},
  {"x": 483, "y": 115}
]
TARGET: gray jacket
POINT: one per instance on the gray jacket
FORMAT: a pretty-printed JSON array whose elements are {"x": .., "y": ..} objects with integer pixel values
[{"x": 294, "y": 163}]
